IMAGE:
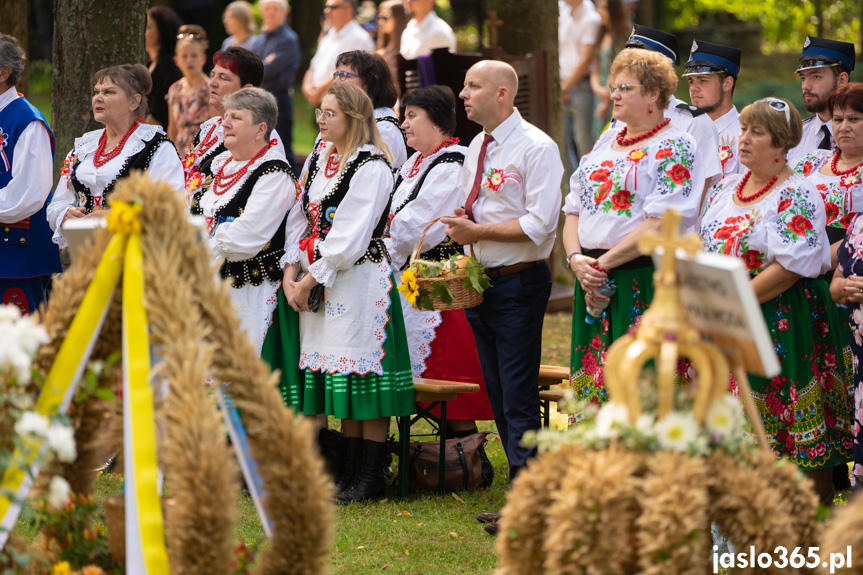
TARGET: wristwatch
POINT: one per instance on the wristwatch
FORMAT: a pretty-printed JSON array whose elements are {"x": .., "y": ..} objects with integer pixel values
[{"x": 569, "y": 257}]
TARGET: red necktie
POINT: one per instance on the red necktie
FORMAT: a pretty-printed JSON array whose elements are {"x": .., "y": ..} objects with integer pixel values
[{"x": 477, "y": 180}]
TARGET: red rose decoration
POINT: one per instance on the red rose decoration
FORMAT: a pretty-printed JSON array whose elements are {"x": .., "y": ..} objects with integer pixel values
[
  {"x": 724, "y": 232},
  {"x": 599, "y": 175},
  {"x": 830, "y": 360},
  {"x": 678, "y": 173},
  {"x": 778, "y": 382},
  {"x": 603, "y": 191},
  {"x": 588, "y": 362},
  {"x": 774, "y": 404},
  {"x": 620, "y": 200},
  {"x": 663, "y": 153},
  {"x": 752, "y": 259},
  {"x": 784, "y": 205},
  {"x": 607, "y": 164},
  {"x": 829, "y": 416},
  {"x": 782, "y": 324},
  {"x": 807, "y": 168},
  {"x": 822, "y": 187},
  {"x": 832, "y": 211},
  {"x": 846, "y": 219},
  {"x": 596, "y": 343},
  {"x": 787, "y": 415},
  {"x": 811, "y": 453},
  {"x": 800, "y": 225}
]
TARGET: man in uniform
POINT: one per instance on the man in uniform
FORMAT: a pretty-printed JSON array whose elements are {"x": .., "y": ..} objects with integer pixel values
[
  {"x": 824, "y": 67},
  {"x": 512, "y": 225},
  {"x": 684, "y": 117},
  {"x": 712, "y": 74}
]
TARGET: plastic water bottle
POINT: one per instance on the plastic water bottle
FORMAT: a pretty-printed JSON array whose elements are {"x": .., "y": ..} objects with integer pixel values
[{"x": 607, "y": 289}]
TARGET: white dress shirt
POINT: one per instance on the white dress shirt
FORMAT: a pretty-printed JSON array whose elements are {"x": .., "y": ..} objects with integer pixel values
[
  {"x": 529, "y": 190},
  {"x": 728, "y": 126},
  {"x": 812, "y": 135},
  {"x": 419, "y": 39},
  {"x": 393, "y": 136},
  {"x": 576, "y": 29},
  {"x": 350, "y": 37},
  {"x": 26, "y": 193}
]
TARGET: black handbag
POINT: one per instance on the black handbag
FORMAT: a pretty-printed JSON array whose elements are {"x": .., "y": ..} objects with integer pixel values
[
  {"x": 463, "y": 465},
  {"x": 316, "y": 296}
]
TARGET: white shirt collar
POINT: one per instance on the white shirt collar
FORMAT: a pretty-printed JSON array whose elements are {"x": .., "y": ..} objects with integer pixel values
[
  {"x": 8, "y": 97},
  {"x": 506, "y": 127},
  {"x": 726, "y": 119}
]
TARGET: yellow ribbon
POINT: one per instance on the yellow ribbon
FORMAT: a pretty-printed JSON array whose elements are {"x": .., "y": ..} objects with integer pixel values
[{"x": 122, "y": 254}]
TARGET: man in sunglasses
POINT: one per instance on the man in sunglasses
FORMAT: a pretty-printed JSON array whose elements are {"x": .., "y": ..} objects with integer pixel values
[
  {"x": 344, "y": 34},
  {"x": 689, "y": 119},
  {"x": 425, "y": 32},
  {"x": 712, "y": 72},
  {"x": 824, "y": 67},
  {"x": 279, "y": 49}
]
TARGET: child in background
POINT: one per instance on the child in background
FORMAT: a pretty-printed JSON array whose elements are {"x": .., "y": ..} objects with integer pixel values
[{"x": 188, "y": 96}]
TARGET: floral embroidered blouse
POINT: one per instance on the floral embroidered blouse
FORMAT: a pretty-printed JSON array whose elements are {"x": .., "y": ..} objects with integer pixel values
[
  {"x": 612, "y": 191},
  {"x": 787, "y": 226},
  {"x": 842, "y": 195}
]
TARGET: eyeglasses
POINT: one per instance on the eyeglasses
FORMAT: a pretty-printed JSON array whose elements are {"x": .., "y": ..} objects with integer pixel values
[
  {"x": 343, "y": 76},
  {"x": 383, "y": 17},
  {"x": 189, "y": 35},
  {"x": 622, "y": 88},
  {"x": 324, "y": 116},
  {"x": 331, "y": 7},
  {"x": 779, "y": 106}
]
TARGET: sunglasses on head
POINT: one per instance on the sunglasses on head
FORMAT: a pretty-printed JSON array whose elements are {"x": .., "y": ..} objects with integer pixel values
[
  {"x": 190, "y": 35},
  {"x": 779, "y": 106}
]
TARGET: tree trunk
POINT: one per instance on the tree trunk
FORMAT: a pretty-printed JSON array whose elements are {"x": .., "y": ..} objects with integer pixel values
[
  {"x": 524, "y": 33},
  {"x": 14, "y": 23},
  {"x": 89, "y": 35},
  {"x": 306, "y": 22}
]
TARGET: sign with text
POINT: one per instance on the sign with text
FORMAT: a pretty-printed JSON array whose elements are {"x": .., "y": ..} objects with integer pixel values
[{"x": 721, "y": 304}]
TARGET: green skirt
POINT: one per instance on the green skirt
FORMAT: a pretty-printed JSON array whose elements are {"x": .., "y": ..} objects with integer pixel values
[
  {"x": 344, "y": 396},
  {"x": 591, "y": 341},
  {"x": 805, "y": 409}
]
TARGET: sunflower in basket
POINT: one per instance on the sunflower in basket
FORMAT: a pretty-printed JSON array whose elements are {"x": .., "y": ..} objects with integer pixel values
[{"x": 446, "y": 284}]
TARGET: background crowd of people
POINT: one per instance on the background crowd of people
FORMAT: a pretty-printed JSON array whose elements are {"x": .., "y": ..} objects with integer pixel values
[{"x": 313, "y": 253}]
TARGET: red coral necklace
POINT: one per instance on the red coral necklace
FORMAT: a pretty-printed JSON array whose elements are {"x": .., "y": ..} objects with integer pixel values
[
  {"x": 332, "y": 167},
  {"x": 227, "y": 182},
  {"x": 625, "y": 142},
  {"x": 757, "y": 194},
  {"x": 101, "y": 158},
  {"x": 445, "y": 144},
  {"x": 209, "y": 140},
  {"x": 835, "y": 161}
]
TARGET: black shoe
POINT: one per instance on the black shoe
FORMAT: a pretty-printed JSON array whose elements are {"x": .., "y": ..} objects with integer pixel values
[
  {"x": 370, "y": 482},
  {"x": 487, "y": 469},
  {"x": 329, "y": 444},
  {"x": 841, "y": 479},
  {"x": 350, "y": 457}
]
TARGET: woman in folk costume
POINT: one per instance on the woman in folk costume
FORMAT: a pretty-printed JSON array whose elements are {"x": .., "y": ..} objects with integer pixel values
[
  {"x": 353, "y": 350},
  {"x": 774, "y": 221},
  {"x": 28, "y": 257},
  {"x": 101, "y": 158},
  {"x": 428, "y": 186},
  {"x": 245, "y": 207},
  {"x": 837, "y": 174}
]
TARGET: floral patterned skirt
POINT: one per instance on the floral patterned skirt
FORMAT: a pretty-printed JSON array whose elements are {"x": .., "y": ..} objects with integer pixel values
[
  {"x": 591, "y": 341},
  {"x": 343, "y": 395},
  {"x": 854, "y": 317},
  {"x": 805, "y": 409}
]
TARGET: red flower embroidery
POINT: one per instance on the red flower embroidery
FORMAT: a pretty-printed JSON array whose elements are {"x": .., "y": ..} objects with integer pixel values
[
  {"x": 778, "y": 382},
  {"x": 829, "y": 416},
  {"x": 782, "y": 324},
  {"x": 785, "y": 438},
  {"x": 787, "y": 415},
  {"x": 807, "y": 168},
  {"x": 832, "y": 211},
  {"x": 678, "y": 173},
  {"x": 599, "y": 175},
  {"x": 774, "y": 404},
  {"x": 822, "y": 187},
  {"x": 725, "y": 232},
  {"x": 588, "y": 362},
  {"x": 846, "y": 219},
  {"x": 800, "y": 225},
  {"x": 607, "y": 164},
  {"x": 784, "y": 205},
  {"x": 811, "y": 453},
  {"x": 603, "y": 191},
  {"x": 830, "y": 360},
  {"x": 752, "y": 259},
  {"x": 663, "y": 153},
  {"x": 620, "y": 200},
  {"x": 596, "y": 343}
]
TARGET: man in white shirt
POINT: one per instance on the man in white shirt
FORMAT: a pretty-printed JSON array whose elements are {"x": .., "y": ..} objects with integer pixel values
[
  {"x": 712, "y": 72},
  {"x": 28, "y": 257},
  {"x": 425, "y": 32},
  {"x": 511, "y": 189},
  {"x": 824, "y": 67},
  {"x": 344, "y": 35},
  {"x": 578, "y": 35}
]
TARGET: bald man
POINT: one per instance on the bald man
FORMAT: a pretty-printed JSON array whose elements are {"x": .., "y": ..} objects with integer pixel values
[{"x": 511, "y": 190}]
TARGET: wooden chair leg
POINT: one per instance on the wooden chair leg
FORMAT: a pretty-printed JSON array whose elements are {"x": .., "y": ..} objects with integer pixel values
[{"x": 442, "y": 464}]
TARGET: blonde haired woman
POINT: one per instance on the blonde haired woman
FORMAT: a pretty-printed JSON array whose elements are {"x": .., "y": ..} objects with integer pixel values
[
  {"x": 353, "y": 351},
  {"x": 239, "y": 23}
]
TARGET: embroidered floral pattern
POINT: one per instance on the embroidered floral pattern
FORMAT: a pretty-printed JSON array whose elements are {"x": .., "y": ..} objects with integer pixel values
[
  {"x": 495, "y": 178},
  {"x": 795, "y": 219},
  {"x": 837, "y": 192}
]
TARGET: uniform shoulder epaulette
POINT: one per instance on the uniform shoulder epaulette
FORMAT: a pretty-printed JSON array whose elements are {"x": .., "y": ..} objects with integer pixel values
[
  {"x": 809, "y": 119},
  {"x": 694, "y": 110}
]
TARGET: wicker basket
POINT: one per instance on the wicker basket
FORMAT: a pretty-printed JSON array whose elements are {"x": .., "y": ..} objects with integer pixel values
[{"x": 463, "y": 296}]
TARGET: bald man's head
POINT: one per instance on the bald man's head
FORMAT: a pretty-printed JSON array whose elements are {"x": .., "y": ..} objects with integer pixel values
[{"x": 489, "y": 92}]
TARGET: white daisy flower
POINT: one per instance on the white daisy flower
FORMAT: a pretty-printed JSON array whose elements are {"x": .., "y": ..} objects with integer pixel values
[
  {"x": 676, "y": 431},
  {"x": 725, "y": 417},
  {"x": 610, "y": 418}
]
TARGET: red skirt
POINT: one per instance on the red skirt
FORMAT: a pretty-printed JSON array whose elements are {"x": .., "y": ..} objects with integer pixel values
[{"x": 454, "y": 358}]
